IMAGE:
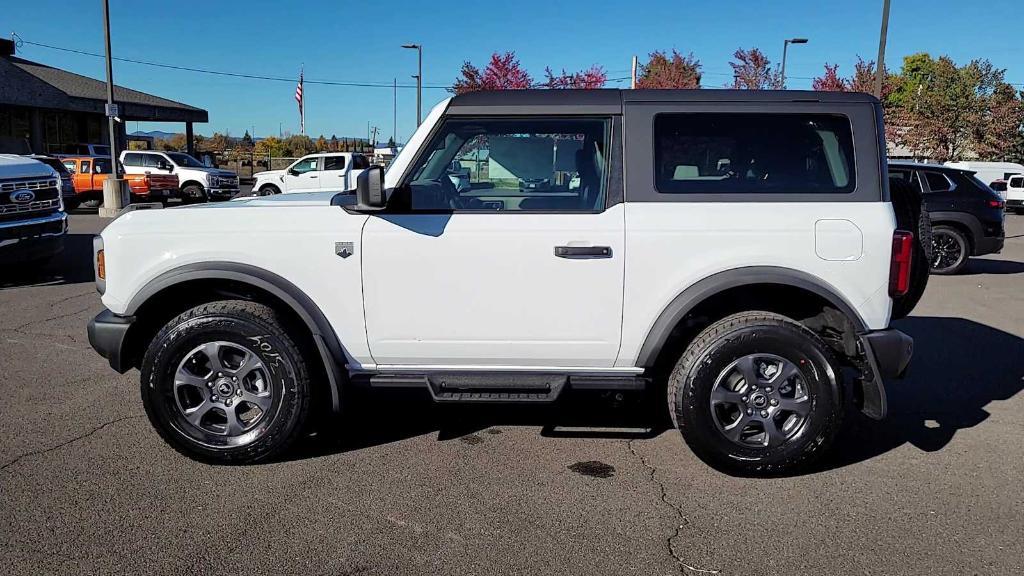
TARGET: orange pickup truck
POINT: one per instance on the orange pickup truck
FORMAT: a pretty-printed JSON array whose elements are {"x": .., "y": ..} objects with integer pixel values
[{"x": 89, "y": 172}]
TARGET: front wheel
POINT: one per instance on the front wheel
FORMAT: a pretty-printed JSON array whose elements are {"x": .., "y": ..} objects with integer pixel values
[
  {"x": 950, "y": 250},
  {"x": 224, "y": 383},
  {"x": 757, "y": 393},
  {"x": 269, "y": 190},
  {"x": 193, "y": 194}
]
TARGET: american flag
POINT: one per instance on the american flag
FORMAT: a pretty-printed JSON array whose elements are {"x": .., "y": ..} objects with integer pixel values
[{"x": 298, "y": 98}]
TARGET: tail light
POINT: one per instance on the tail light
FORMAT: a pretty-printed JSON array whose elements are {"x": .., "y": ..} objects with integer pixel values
[
  {"x": 995, "y": 204},
  {"x": 899, "y": 266}
]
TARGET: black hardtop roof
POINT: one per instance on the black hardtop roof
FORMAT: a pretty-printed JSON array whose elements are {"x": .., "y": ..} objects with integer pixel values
[
  {"x": 910, "y": 164},
  {"x": 615, "y": 98}
]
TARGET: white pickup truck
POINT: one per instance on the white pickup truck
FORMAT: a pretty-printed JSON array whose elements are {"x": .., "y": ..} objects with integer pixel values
[
  {"x": 32, "y": 218},
  {"x": 735, "y": 251},
  {"x": 197, "y": 181},
  {"x": 322, "y": 172}
]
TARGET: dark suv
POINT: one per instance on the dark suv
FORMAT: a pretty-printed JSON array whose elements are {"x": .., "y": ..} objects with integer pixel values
[{"x": 966, "y": 215}]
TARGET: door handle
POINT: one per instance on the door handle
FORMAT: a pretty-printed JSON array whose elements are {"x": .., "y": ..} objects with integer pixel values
[
  {"x": 583, "y": 252},
  {"x": 313, "y": 176}
]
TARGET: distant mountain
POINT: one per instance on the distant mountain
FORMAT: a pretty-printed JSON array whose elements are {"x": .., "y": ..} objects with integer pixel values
[{"x": 155, "y": 134}]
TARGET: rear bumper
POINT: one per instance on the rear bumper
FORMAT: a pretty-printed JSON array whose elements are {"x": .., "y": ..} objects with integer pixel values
[
  {"x": 988, "y": 245},
  {"x": 106, "y": 336},
  {"x": 887, "y": 354}
]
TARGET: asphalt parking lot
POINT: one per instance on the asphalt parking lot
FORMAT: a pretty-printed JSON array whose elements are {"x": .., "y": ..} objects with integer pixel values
[{"x": 86, "y": 486}]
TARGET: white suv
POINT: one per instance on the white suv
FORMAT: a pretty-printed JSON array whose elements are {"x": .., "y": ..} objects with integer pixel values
[
  {"x": 198, "y": 182},
  {"x": 737, "y": 250},
  {"x": 322, "y": 172},
  {"x": 1015, "y": 193}
]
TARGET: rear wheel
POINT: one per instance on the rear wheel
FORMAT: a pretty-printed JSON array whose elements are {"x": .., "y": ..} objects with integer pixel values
[
  {"x": 224, "y": 383},
  {"x": 950, "y": 250},
  {"x": 756, "y": 393}
]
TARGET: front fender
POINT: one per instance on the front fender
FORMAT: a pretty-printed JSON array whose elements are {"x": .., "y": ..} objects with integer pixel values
[{"x": 328, "y": 345}]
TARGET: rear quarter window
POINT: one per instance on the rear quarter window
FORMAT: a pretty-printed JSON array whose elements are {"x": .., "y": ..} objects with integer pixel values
[{"x": 753, "y": 153}]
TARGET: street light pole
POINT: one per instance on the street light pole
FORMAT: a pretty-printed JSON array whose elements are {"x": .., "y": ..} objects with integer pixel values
[
  {"x": 785, "y": 49},
  {"x": 113, "y": 196},
  {"x": 419, "y": 80},
  {"x": 880, "y": 67}
]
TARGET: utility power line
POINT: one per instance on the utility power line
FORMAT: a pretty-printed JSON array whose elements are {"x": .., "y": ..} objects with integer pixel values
[
  {"x": 233, "y": 74},
  {"x": 347, "y": 83}
]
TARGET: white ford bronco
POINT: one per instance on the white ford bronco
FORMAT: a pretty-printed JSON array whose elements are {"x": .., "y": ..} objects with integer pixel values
[{"x": 736, "y": 250}]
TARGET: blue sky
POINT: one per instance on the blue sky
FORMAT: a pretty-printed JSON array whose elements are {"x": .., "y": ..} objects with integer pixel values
[{"x": 359, "y": 41}]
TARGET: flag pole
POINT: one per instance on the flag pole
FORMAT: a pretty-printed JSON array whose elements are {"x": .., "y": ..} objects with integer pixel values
[{"x": 302, "y": 106}]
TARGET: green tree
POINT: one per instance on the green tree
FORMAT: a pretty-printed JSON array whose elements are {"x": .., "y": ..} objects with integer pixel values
[
  {"x": 247, "y": 139},
  {"x": 321, "y": 144},
  {"x": 664, "y": 71}
]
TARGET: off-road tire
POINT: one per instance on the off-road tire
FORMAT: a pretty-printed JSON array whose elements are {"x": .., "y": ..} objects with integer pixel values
[
  {"x": 719, "y": 345},
  {"x": 911, "y": 215},
  {"x": 260, "y": 330}
]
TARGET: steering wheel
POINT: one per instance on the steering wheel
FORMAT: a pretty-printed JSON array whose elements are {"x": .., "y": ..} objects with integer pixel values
[{"x": 450, "y": 192}]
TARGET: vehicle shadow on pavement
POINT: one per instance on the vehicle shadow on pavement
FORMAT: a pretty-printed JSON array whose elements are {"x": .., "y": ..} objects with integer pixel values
[
  {"x": 72, "y": 266},
  {"x": 384, "y": 416},
  {"x": 959, "y": 367},
  {"x": 986, "y": 266}
]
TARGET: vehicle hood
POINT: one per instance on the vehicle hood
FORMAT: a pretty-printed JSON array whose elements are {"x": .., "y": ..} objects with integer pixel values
[
  {"x": 12, "y": 166},
  {"x": 269, "y": 174},
  {"x": 210, "y": 171}
]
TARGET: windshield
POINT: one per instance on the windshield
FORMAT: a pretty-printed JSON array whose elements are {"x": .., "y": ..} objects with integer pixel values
[{"x": 185, "y": 160}]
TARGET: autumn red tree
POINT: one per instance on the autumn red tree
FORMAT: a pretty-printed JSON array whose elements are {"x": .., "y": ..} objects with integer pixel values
[
  {"x": 591, "y": 78},
  {"x": 503, "y": 72},
  {"x": 830, "y": 81},
  {"x": 664, "y": 71},
  {"x": 752, "y": 70}
]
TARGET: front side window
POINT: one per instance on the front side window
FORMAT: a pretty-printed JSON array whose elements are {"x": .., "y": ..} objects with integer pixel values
[
  {"x": 101, "y": 166},
  {"x": 334, "y": 163},
  {"x": 524, "y": 164},
  {"x": 751, "y": 153},
  {"x": 185, "y": 160},
  {"x": 151, "y": 160},
  {"x": 360, "y": 162},
  {"x": 304, "y": 165}
]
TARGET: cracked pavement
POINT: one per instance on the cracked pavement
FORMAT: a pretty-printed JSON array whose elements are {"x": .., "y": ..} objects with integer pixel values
[{"x": 405, "y": 487}]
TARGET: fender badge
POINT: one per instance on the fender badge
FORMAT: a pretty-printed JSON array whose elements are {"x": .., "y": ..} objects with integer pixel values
[{"x": 344, "y": 249}]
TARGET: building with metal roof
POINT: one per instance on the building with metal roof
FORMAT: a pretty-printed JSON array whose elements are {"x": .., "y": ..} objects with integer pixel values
[{"x": 53, "y": 109}]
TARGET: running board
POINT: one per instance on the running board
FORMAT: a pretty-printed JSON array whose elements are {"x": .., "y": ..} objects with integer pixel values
[{"x": 500, "y": 386}]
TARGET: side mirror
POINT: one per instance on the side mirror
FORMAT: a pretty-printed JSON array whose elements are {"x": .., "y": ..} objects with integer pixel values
[
  {"x": 292, "y": 172},
  {"x": 370, "y": 189}
]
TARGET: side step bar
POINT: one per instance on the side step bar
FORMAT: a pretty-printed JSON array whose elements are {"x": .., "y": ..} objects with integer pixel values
[{"x": 500, "y": 387}]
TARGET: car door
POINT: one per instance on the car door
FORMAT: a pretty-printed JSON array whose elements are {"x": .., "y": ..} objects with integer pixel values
[
  {"x": 499, "y": 276},
  {"x": 303, "y": 175},
  {"x": 333, "y": 176}
]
